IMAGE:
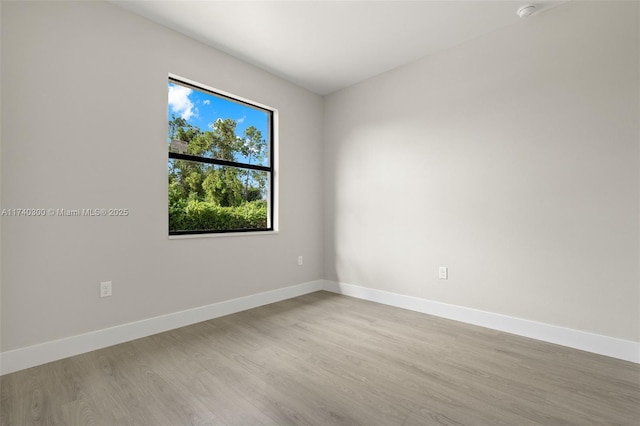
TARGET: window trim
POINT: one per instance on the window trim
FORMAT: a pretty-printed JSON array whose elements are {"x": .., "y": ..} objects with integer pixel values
[{"x": 272, "y": 114}]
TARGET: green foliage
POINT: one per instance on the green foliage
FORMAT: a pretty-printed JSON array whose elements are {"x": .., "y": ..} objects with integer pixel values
[
  {"x": 208, "y": 197},
  {"x": 202, "y": 215}
]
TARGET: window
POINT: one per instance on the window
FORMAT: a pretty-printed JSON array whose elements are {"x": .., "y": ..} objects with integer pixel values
[{"x": 220, "y": 162}]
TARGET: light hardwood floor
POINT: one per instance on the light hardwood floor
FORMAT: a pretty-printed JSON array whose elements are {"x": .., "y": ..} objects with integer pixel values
[{"x": 325, "y": 359}]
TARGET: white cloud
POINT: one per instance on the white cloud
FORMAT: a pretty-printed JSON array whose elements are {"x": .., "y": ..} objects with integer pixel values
[
  {"x": 206, "y": 102},
  {"x": 180, "y": 103},
  {"x": 240, "y": 120}
]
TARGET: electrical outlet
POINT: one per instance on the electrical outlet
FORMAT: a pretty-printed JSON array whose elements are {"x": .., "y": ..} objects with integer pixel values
[
  {"x": 443, "y": 273},
  {"x": 300, "y": 261},
  {"x": 105, "y": 289}
]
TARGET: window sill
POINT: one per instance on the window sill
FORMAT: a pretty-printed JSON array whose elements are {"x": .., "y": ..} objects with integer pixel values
[{"x": 222, "y": 235}]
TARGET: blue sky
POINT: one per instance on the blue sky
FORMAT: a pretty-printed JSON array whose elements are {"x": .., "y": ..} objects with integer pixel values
[{"x": 202, "y": 109}]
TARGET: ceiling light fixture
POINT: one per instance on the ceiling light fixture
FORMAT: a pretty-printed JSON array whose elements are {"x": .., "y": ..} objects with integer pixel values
[{"x": 526, "y": 11}]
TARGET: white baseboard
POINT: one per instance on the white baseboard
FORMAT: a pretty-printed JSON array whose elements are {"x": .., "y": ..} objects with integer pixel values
[
  {"x": 43, "y": 353},
  {"x": 31, "y": 356},
  {"x": 609, "y": 346}
]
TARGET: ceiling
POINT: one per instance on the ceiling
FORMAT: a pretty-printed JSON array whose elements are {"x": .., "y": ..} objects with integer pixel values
[{"x": 325, "y": 46}]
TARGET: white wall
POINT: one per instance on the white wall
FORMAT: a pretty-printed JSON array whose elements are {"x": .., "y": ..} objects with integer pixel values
[
  {"x": 1, "y": 272},
  {"x": 84, "y": 99},
  {"x": 512, "y": 159}
]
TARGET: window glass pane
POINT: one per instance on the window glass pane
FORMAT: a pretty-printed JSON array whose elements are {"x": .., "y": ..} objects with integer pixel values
[
  {"x": 206, "y": 197},
  {"x": 211, "y": 126}
]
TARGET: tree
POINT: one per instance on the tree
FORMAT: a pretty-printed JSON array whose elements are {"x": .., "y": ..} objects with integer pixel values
[
  {"x": 174, "y": 124},
  {"x": 197, "y": 191},
  {"x": 254, "y": 148}
]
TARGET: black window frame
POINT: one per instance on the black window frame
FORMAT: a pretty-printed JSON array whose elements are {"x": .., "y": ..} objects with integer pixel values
[{"x": 213, "y": 161}]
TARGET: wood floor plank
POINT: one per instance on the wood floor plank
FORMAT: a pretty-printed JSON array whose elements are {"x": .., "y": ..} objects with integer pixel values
[{"x": 326, "y": 359}]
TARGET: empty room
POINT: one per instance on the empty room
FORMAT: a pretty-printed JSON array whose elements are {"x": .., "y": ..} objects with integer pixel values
[{"x": 320, "y": 213}]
